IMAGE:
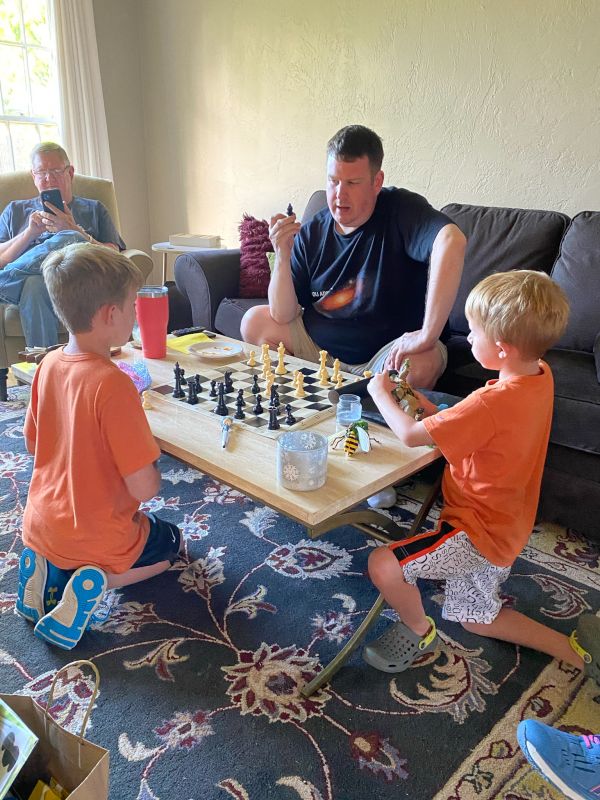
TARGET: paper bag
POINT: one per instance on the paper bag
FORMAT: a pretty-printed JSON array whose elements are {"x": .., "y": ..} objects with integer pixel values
[{"x": 78, "y": 765}]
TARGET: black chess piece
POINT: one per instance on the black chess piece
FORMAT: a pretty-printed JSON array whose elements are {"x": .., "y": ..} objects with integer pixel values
[
  {"x": 258, "y": 409},
  {"x": 289, "y": 210},
  {"x": 241, "y": 397},
  {"x": 177, "y": 372},
  {"x": 273, "y": 421},
  {"x": 239, "y": 404},
  {"x": 183, "y": 378},
  {"x": 221, "y": 408},
  {"x": 228, "y": 381},
  {"x": 290, "y": 419},
  {"x": 213, "y": 389},
  {"x": 274, "y": 401},
  {"x": 192, "y": 397},
  {"x": 255, "y": 389},
  {"x": 197, "y": 383}
]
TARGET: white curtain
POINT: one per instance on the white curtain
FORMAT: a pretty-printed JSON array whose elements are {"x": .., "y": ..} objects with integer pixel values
[{"x": 82, "y": 115}]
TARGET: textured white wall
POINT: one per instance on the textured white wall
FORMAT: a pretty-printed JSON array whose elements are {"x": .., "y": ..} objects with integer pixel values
[{"x": 485, "y": 101}]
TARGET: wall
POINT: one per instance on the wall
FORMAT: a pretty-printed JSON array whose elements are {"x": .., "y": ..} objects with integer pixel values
[
  {"x": 486, "y": 101},
  {"x": 119, "y": 53}
]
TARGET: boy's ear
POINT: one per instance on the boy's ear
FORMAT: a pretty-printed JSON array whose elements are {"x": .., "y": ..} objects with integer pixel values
[
  {"x": 104, "y": 314},
  {"x": 505, "y": 350}
]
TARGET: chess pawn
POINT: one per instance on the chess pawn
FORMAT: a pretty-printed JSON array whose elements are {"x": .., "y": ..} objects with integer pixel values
[
  {"x": 367, "y": 374},
  {"x": 339, "y": 382},
  {"x": 300, "y": 386},
  {"x": 252, "y": 360},
  {"x": 146, "y": 404}
]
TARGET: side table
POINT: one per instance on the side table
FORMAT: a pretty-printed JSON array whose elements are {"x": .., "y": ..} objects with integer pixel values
[{"x": 166, "y": 247}]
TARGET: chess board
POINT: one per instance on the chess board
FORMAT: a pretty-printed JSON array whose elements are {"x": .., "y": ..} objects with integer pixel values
[{"x": 307, "y": 410}]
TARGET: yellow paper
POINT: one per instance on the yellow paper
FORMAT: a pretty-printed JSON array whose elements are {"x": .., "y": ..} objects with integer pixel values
[
  {"x": 42, "y": 791},
  {"x": 181, "y": 343},
  {"x": 26, "y": 366}
]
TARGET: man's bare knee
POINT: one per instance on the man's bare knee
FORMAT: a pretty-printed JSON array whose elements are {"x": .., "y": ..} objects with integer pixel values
[
  {"x": 255, "y": 323},
  {"x": 426, "y": 368}
]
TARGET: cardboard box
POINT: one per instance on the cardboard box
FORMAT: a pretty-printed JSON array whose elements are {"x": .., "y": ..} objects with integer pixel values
[{"x": 194, "y": 240}]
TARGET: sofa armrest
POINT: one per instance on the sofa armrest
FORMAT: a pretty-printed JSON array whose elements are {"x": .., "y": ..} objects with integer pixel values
[
  {"x": 142, "y": 261},
  {"x": 206, "y": 277}
]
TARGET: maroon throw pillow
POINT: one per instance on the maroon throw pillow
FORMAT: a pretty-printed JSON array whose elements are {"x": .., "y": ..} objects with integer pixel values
[{"x": 254, "y": 267}]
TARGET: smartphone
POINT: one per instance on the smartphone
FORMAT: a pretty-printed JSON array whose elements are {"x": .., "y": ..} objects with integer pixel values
[{"x": 54, "y": 197}]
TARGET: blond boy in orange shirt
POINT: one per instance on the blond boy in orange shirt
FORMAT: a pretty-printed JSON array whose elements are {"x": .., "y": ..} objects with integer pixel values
[
  {"x": 494, "y": 442},
  {"x": 94, "y": 455}
]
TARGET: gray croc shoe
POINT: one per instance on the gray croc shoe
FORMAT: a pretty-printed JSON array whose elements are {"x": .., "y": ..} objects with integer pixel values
[
  {"x": 399, "y": 647},
  {"x": 586, "y": 643}
]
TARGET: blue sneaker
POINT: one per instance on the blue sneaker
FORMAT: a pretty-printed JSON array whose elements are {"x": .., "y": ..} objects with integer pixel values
[
  {"x": 65, "y": 624},
  {"x": 32, "y": 580},
  {"x": 570, "y": 763}
]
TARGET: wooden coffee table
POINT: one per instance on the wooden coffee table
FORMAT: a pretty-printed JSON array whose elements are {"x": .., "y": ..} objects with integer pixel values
[{"x": 248, "y": 464}]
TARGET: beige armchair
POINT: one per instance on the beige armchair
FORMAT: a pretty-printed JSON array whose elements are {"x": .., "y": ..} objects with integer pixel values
[{"x": 20, "y": 186}]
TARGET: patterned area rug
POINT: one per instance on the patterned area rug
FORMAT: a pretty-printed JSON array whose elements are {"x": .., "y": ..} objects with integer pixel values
[{"x": 201, "y": 667}]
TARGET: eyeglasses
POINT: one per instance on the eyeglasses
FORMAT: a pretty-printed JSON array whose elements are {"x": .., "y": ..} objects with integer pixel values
[{"x": 50, "y": 173}]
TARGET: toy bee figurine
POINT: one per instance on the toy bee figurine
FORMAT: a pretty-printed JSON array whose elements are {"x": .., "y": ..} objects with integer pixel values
[
  {"x": 403, "y": 393},
  {"x": 355, "y": 437}
]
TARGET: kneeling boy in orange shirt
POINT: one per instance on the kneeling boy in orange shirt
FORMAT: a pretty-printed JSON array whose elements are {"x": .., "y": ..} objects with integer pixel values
[
  {"x": 95, "y": 457},
  {"x": 495, "y": 444}
]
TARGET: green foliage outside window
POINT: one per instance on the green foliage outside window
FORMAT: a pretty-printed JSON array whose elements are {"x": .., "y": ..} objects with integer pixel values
[{"x": 28, "y": 87}]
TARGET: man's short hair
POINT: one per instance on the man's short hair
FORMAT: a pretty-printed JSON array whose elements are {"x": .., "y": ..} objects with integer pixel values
[
  {"x": 522, "y": 307},
  {"x": 50, "y": 147},
  {"x": 81, "y": 278},
  {"x": 354, "y": 142}
]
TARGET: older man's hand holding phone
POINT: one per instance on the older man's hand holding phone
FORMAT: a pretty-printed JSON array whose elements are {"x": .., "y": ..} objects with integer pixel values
[{"x": 56, "y": 216}]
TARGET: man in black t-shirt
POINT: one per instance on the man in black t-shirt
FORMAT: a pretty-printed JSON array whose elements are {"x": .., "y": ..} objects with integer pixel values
[{"x": 371, "y": 278}]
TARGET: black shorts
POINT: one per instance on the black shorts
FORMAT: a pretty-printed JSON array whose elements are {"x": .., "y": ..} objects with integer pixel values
[{"x": 164, "y": 541}]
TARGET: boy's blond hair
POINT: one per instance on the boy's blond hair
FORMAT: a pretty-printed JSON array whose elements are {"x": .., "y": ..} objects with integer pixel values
[
  {"x": 83, "y": 277},
  {"x": 524, "y": 308}
]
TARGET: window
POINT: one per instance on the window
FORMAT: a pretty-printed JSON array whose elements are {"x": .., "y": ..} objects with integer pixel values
[{"x": 28, "y": 86}]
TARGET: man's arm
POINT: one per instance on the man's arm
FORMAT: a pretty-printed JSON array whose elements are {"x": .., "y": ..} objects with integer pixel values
[
  {"x": 65, "y": 221},
  {"x": 283, "y": 302},
  {"x": 445, "y": 271},
  {"x": 12, "y": 248}
]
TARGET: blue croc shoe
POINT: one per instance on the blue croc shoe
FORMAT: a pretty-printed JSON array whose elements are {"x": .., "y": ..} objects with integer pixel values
[
  {"x": 65, "y": 624},
  {"x": 32, "y": 580},
  {"x": 570, "y": 763}
]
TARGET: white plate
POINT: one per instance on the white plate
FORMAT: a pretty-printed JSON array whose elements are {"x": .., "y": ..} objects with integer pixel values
[{"x": 215, "y": 350}]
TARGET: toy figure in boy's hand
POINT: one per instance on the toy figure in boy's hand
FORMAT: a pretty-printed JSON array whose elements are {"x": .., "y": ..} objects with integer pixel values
[{"x": 495, "y": 444}]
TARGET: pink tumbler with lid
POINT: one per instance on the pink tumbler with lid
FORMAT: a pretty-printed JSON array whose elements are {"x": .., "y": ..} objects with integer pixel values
[{"x": 152, "y": 312}]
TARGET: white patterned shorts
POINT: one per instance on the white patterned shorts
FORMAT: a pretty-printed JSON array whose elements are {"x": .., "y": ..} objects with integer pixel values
[{"x": 472, "y": 592}]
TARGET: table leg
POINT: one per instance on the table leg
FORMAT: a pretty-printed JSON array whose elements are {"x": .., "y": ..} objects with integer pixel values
[
  {"x": 337, "y": 661},
  {"x": 376, "y": 525},
  {"x": 164, "y": 268}
]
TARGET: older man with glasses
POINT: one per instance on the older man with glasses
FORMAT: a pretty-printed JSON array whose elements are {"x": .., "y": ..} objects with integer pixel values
[{"x": 29, "y": 232}]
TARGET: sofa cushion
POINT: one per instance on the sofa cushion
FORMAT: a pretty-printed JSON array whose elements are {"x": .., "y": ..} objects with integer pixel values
[
  {"x": 577, "y": 271},
  {"x": 576, "y": 420},
  {"x": 254, "y": 267},
  {"x": 230, "y": 312},
  {"x": 501, "y": 239}
]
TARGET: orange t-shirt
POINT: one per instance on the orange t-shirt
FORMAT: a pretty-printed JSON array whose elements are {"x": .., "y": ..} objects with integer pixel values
[
  {"x": 495, "y": 442},
  {"x": 87, "y": 428}
]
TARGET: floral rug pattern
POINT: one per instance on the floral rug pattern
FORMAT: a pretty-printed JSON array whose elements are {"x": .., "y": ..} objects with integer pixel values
[{"x": 202, "y": 667}]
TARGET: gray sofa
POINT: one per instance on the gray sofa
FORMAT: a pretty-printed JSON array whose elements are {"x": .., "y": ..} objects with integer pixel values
[{"x": 499, "y": 239}]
